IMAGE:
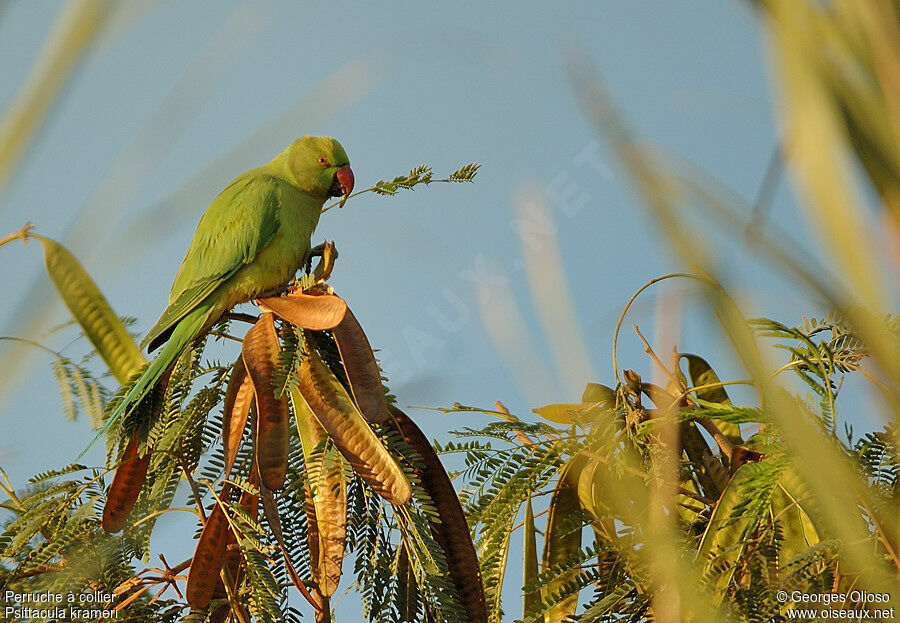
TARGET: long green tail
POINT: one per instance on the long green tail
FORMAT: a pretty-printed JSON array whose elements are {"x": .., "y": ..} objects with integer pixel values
[{"x": 187, "y": 331}]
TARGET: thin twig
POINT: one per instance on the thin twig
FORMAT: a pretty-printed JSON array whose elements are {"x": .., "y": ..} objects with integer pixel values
[
  {"x": 21, "y": 234},
  {"x": 649, "y": 351}
]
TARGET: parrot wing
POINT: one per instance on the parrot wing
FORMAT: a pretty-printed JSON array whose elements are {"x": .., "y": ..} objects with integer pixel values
[{"x": 236, "y": 226}]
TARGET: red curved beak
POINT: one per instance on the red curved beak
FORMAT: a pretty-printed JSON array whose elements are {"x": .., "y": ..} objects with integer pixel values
[{"x": 345, "y": 179}]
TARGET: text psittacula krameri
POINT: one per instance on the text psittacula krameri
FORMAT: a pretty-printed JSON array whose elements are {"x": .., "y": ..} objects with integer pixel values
[{"x": 251, "y": 241}]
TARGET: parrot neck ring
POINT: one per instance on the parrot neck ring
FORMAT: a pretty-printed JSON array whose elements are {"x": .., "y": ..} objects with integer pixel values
[{"x": 342, "y": 185}]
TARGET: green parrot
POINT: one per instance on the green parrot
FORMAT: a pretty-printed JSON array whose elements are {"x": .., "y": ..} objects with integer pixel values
[{"x": 251, "y": 241}]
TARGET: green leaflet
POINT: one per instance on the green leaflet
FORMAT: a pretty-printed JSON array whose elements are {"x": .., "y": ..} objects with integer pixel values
[
  {"x": 721, "y": 544},
  {"x": 531, "y": 600},
  {"x": 701, "y": 373},
  {"x": 776, "y": 495},
  {"x": 797, "y": 528},
  {"x": 560, "y": 540},
  {"x": 329, "y": 496},
  {"x": 334, "y": 409},
  {"x": 89, "y": 307}
]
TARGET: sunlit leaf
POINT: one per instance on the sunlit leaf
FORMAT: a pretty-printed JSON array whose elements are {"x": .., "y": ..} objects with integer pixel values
[
  {"x": 531, "y": 600},
  {"x": 562, "y": 539}
]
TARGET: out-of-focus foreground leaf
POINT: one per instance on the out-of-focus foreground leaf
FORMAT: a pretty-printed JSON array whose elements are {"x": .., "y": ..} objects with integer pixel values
[{"x": 89, "y": 307}]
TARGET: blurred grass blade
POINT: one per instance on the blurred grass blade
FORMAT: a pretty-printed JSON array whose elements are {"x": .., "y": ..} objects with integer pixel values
[
  {"x": 549, "y": 291},
  {"x": 334, "y": 409},
  {"x": 329, "y": 496},
  {"x": 83, "y": 298},
  {"x": 362, "y": 370},
  {"x": 307, "y": 311},
  {"x": 817, "y": 139},
  {"x": 260, "y": 354},
  {"x": 505, "y": 326},
  {"x": 239, "y": 397},
  {"x": 452, "y": 533},
  {"x": 531, "y": 600},
  {"x": 73, "y": 32}
]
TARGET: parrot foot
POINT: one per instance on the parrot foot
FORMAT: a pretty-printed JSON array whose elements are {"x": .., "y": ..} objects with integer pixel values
[{"x": 316, "y": 251}]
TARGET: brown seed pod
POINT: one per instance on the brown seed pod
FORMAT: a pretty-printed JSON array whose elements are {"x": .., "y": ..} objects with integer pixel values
[
  {"x": 209, "y": 556},
  {"x": 238, "y": 399},
  {"x": 452, "y": 534},
  {"x": 362, "y": 369},
  {"x": 307, "y": 311},
  {"x": 125, "y": 487},
  {"x": 334, "y": 409},
  {"x": 260, "y": 354},
  {"x": 329, "y": 500}
]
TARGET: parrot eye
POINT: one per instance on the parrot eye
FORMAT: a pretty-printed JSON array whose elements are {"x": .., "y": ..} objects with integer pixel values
[{"x": 322, "y": 160}]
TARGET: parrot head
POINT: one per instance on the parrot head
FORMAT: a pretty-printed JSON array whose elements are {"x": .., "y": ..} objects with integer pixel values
[{"x": 320, "y": 167}]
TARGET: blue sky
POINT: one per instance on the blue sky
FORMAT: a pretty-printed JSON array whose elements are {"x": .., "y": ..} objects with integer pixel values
[{"x": 195, "y": 93}]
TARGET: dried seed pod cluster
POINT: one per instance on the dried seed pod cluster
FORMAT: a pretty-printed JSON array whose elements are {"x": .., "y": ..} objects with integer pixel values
[{"x": 332, "y": 385}]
